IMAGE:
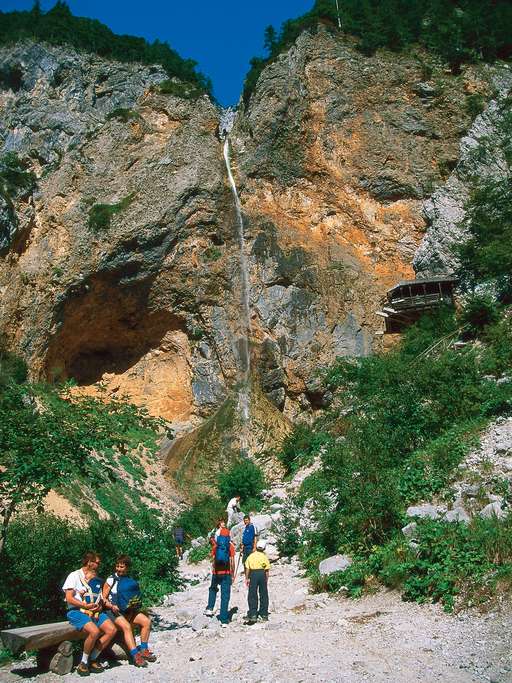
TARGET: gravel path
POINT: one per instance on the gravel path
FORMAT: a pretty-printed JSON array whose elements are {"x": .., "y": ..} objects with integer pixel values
[{"x": 312, "y": 638}]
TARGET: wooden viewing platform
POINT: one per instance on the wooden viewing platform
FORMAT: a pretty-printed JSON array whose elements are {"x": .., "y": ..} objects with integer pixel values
[{"x": 409, "y": 299}]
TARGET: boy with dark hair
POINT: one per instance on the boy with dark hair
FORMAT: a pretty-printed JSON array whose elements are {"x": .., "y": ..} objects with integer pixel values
[
  {"x": 122, "y": 596},
  {"x": 248, "y": 539},
  {"x": 83, "y": 595},
  {"x": 223, "y": 571}
]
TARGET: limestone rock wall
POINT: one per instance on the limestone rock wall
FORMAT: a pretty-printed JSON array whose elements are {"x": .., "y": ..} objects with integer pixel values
[{"x": 122, "y": 266}]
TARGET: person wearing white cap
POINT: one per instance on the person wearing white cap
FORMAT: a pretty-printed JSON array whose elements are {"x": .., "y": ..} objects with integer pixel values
[{"x": 257, "y": 568}]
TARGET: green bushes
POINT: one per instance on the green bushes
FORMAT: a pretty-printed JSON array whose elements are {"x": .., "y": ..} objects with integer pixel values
[
  {"x": 485, "y": 257},
  {"x": 124, "y": 115},
  {"x": 402, "y": 424},
  {"x": 187, "y": 91},
  {"x": 42, "y": 549},
  {"x": 200, "y": 553},
  {"x": 244, "y": 478},
  {"x": 201, "y": 517},
  {"x": 100, "y": 215},
  {"x": 300, "y": 447}
]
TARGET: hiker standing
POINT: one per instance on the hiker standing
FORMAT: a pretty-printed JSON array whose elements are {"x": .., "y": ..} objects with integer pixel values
[
  {"x": 223, "y": 571},
  {"x": 84, "y": 613},
  {"x": 121, "y": 595},
  {"x": 248, "y": 539},
  {"x": 233, "y": 509},
  {"x": 257, "y": 568},
  {"x": 179, "y": 540}
]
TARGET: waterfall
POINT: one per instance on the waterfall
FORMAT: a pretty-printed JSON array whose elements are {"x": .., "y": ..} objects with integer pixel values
[{"x": 225, "y": 127}]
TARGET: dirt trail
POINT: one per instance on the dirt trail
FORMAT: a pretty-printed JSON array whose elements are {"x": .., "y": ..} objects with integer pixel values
[{"x": 312, "y": 638}]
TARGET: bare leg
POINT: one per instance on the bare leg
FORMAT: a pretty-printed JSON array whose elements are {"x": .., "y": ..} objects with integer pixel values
[
  {"x": 109, "y": 631},
  {"x": 92, "y": 636},
  {"x": 144, "y": 622},
  {"x": 124, "y": 626}
]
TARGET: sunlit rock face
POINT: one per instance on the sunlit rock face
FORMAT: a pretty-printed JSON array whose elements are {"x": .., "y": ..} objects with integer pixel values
[{"x": 122, "y": 265}]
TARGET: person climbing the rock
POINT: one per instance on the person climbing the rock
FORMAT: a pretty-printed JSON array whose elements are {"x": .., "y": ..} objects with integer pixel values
[
  {"x": 82, "y": 592},
  {"x": 233, "y": 509},
  {"x": 223, "y": 572},
  {"x": 249, "y": 538},
  {"x": 122, "y": 597},
  {"x": 257, "y": 568}
]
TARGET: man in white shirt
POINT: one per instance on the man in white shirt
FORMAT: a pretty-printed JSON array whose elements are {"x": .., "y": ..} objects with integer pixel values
[
  {"x": 82, "y": 590},
  {"x": 233, "y": 509}
]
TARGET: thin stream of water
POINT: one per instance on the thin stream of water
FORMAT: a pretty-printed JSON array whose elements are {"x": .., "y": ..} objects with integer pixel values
[{"x": 245, "y": 318}]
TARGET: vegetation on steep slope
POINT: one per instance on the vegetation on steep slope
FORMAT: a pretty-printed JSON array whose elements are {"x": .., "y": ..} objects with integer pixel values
[
  {"x": 84, "y": 447},
  {"x": 401, "y": 424},
  {"x": 463, "y": 31},
  {"x": 58, "y": 26}
]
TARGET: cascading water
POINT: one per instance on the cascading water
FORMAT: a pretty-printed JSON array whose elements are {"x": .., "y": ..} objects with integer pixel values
[{"x": 226, "y": 124}]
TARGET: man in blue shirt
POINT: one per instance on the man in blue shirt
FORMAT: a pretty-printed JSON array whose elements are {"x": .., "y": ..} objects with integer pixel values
[{"x": 249, "y": 538}]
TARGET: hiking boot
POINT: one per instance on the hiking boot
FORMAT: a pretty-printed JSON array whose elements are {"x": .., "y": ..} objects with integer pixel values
[
  {"x": 148, "y": 655},
  {"x": 208, "y": 613},
  {"x": 139, "y": 660},
  {"x": 82, "y": 669},
  {"x": 96, "y": 668}
]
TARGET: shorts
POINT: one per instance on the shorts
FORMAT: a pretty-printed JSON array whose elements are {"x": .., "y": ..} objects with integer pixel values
[{"x": 79, "y": 619}]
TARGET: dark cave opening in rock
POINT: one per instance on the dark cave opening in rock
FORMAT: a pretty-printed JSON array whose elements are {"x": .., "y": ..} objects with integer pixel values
[{"x": 106, "y": 328}]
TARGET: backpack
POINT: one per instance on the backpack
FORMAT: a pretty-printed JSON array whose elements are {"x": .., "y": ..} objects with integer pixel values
[
  {"x": 127, "y": 596},
  {"x": 222, "y": 549}
]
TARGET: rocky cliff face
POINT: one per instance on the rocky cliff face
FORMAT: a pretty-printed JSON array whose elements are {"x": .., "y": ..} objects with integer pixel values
[
  {"x": 484, "y": 154},
  {"x": 122, "y": 265}
]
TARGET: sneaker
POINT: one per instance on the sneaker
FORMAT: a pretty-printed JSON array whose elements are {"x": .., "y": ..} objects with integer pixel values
[
  {"x": 249, "y": 621},
  {"x": 96, "y": 668},
  {"x": 82, "y": 669},
  {"x": 148, "y": 655},
  {"x": 139, "y": 660},
  {"x": 223, "y": 625},
  {"x": 208, "y": 613},
  {"x": 263, "y": 617}
]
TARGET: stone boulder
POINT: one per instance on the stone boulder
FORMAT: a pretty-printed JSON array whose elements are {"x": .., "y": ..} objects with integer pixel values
[
  {"x": 336, "y": 563},
  {"x": 424, "y": 511},
  {"x": 493, "y": 510},
  {"x": 457, "y": 514}
]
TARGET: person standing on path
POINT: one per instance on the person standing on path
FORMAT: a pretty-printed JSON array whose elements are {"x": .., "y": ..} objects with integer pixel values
[
  {"x": 233, "y": 509},
  {"x": 223, "y": 572},
  {"x": 249, "y": 538},
  {"x": 257, "y": 568},
  {"x": 179, "y": 540}
]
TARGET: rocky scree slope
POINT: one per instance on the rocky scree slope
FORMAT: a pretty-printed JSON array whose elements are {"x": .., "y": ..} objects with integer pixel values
[{"x": 122, "y": 265}]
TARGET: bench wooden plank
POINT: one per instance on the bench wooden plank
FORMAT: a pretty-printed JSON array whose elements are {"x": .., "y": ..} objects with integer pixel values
[{"x": 39, "y": 637}]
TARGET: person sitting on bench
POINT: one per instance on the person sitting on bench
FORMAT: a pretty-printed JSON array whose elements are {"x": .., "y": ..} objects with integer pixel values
[
  {"x": 122, "y": 597},
  {"x": 84, "y": 601}
]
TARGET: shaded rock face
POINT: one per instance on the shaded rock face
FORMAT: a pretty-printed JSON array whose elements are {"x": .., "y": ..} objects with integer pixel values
[
  {"x": 482, "y": 156},
  {"x": 122, "y": 264}
]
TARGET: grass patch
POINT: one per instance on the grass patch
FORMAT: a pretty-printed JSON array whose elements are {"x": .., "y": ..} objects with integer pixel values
[
  {"x": 122, "y": 114},
  {"x": 100, "y": 215}
]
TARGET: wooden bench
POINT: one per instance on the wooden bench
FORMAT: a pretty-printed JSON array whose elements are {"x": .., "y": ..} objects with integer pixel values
[{"x": 52, "y": 641}]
